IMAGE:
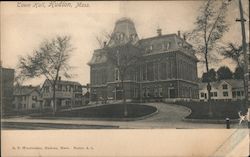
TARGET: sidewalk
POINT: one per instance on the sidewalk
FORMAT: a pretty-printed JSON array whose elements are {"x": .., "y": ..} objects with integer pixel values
[{"x": 169, "y": 117}]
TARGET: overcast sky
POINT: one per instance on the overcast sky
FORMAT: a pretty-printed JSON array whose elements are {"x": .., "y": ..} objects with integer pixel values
[{"x": 24, "y": 28}]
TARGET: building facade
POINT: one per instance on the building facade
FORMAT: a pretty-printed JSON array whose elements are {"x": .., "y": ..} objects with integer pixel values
[
  {"x": 228, "y": 90},
  {"x": 68, "y": 94},
  {"x": 6, "y": 89},
  {"x": 248, "y": 72},
  {"x": 27, "y": 98},
  {"x": 167, "y": 70}
]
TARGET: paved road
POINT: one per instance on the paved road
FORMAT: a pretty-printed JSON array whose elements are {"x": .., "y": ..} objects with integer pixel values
[{"x": 168, "y": 116}]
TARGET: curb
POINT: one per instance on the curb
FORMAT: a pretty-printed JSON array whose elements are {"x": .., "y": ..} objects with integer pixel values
[
  {"x": 65, "y": 124},
  {"x": 107, "y": 119},
  {"x": 213, "y": 121}
]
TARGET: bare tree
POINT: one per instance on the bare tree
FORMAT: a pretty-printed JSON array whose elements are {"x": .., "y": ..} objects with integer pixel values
[
  {"x": 210, "y": 27},
  {"x": 49, "y": 60},
  {"x": 124, "y": 58},
  {"x": 103, "y": 38},
  {"x": 234, "y": 52}
]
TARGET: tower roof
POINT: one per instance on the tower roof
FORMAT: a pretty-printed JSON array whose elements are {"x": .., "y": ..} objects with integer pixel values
[{"x": 123, "y": 33}]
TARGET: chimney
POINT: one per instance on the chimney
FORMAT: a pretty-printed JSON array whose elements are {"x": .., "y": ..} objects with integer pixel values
[
  {"x": 159, "y": 32},
  {"x": 179, "y": 33},
  {"x": 184, "y": 37},
  {"x": 104, "y": 44}
]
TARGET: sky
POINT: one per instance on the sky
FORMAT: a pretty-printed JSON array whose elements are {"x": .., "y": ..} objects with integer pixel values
[{"x": 24, "y": 27}]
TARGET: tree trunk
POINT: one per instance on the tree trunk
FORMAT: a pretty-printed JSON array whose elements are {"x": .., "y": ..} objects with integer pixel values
[
  {"x": 124, "y": 98},
  {"x": 210, "y": 111},
  {"x": 54, "y": 98}
]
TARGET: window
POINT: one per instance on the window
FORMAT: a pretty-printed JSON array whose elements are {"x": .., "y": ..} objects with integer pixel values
[
  {"x": 234, "y": 94},
  {"x": 155, "y": 92},
  {"x": 212, "y": 94},
  {"x": 151, "y": 48},
  {"x": 162, "y": 46},
  {"x": 116, "y": 74},
  {"x": 225, "y": 94},
  {"x": 167, "y": 46},
  {"x": 224, "y": 86},
  {"x": 150, "y": 71},
  {"x": 19, "y": 106},
  {"x": 59, "y": 87},
  {"x": 147, "y": 92},
  {"x": 180, "y": 44},
  {"x": 67, "y": 103},
  {"x": 242, "y": 93},
  {"x": 135, "y": 92},
  {"x": 34, "y": 98},
  {"x": 144, "y": 92},
  {"x": 144, "y": 72},
  {"x": 64, "y": 88},
  {"x": 238, "y": 93},
  {"x": 215, "y": 94},
  {"x": 33, "y": 105},
  {"x": 156, "y": 71},
  {"x": 202, "y": 95},
  {"x": 79, "y": 89},
  {"x": 160, "y": 92}
]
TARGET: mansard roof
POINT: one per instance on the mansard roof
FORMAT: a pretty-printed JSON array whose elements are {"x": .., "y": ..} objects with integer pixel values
[
  {"x": 99, "y": 57},
  {"x": 125, "y": 32}
]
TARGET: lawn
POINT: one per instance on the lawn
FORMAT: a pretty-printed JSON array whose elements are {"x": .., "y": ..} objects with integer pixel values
[
  {"x": 112, "y": 111},
  {"x": 220, "y": 109}
]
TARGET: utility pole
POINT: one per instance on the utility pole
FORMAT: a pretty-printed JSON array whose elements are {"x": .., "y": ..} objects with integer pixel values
[{"x": 244, "y": 48}]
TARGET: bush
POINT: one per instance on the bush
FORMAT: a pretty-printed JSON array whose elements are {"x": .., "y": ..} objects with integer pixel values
[
  {"x": 112, "y": 111},
  {"x": 220, "y": 109}
]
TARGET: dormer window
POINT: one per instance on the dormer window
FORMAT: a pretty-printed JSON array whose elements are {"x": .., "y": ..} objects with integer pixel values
[
  {"x": 133, "y": 37},
  {"x": 151, "y": 48},
  {"x": 116, "y": 74},
  {"x": 167, "y": 45},
  {"x": 121, "y": 36}
]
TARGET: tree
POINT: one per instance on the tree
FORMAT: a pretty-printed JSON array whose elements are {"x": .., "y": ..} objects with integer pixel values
[
  {"x": 210, "y": 27},
  {"x": 239, "y": 73},
  {"x": 234, "y": 52},
  {"x": 210, "y": 76},
  {"x": 49, "y": 60},
  {"x": 224, "y": 73},
  {"x": 124, "y": 58}
]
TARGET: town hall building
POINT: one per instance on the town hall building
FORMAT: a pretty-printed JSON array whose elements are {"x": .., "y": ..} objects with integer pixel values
[{"x": 167, "y": 70}]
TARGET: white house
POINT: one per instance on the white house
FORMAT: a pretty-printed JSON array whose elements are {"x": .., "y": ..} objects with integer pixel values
[
  {"x": 223, "y": 90},
  {"x": 68, "y": 94},
  {"x": 27, "y": 98}
]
